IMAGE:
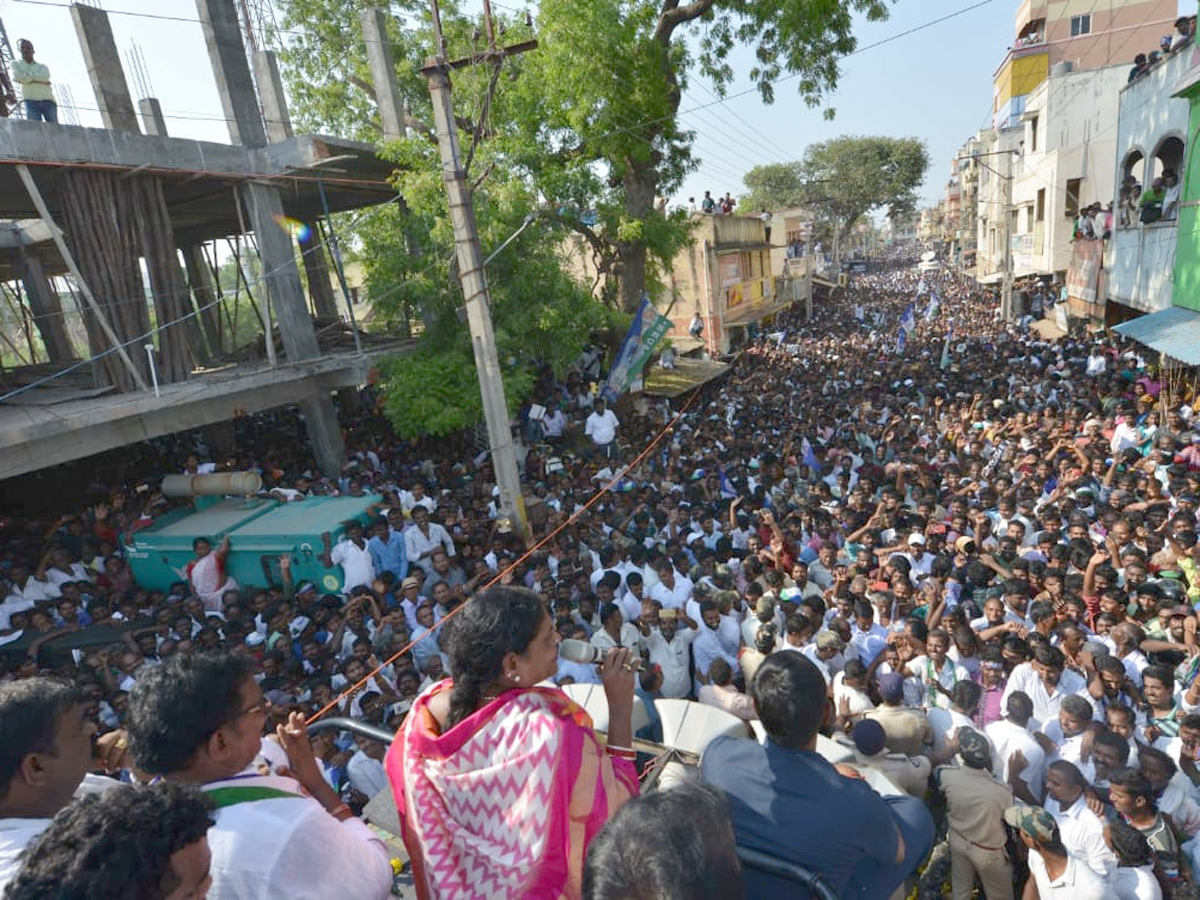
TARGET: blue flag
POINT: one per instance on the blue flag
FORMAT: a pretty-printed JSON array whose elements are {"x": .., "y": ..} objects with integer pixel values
[
  {"x": 908, "y": 318},
  {"x": 901, "y": 339},
  {"x": 809, "y": 457},
  {"x": 726, "y": 488}
]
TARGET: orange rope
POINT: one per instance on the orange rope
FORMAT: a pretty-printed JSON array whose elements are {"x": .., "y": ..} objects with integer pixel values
[{"x": 450, "y": 615}]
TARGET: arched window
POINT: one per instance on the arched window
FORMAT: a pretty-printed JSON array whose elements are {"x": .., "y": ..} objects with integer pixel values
[
  {"x": 1169, "y": 155},
  {"x": 1130, "y": 189}
]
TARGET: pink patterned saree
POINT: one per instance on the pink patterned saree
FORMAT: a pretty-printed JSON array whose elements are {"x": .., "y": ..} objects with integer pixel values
[{"x": 504, "y": 803}]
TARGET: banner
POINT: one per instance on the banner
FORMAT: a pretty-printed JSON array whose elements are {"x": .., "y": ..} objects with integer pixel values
[
  {"x": 645, "y": 334},
  {"x": 1083, "y": 275}
]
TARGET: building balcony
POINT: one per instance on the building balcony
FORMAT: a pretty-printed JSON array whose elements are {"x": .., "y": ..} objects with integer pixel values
[{"x": 1139, "y": 263}]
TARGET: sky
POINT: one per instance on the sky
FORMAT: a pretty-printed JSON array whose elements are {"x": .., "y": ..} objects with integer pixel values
[{"x": 934, "y": 83}]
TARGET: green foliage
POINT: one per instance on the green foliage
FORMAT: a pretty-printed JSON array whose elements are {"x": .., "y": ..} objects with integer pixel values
[
  {"x": 583, "y": 133},
  {"x": 848, "y": 177},
  {"x": 773, "y": 186}
]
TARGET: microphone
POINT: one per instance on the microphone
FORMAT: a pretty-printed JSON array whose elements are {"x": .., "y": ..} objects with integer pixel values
[{"x": 583, "y": 652}]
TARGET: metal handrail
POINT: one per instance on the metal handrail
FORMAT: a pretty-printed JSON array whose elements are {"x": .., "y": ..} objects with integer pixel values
[
  {"x": 813, "y": 882},
  {"x": 354, "y": 726}
]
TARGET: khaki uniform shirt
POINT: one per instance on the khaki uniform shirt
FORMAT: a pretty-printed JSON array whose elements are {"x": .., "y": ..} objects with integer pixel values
[
  {"x": 908, "y": 730},
  {"x": 975, "y": 804}
]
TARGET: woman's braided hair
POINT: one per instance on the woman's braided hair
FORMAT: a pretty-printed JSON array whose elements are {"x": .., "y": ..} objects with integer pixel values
[{"x": 499, "y": 621}]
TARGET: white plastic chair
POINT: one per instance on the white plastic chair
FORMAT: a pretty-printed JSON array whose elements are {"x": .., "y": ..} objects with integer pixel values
[
  {"x": 693, "y": 726},
  {"x": 591, "y": 698}
]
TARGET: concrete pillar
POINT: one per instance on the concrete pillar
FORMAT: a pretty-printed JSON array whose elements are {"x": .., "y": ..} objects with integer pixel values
[
  {"x": 286, "y": 294},
  {"x": 223, "y": 35},
  {"x": 316, "y": 269},
  {"x": 264, "y": 205},
  {"x": 324, "y": 433},
  {"x": 47, "y": 310},
  {"x": 153, "y": 121},
  {"x": 383, "y": 73},
  {"x": 104, "y": 67},
  {"x": 270, "y": 93}
]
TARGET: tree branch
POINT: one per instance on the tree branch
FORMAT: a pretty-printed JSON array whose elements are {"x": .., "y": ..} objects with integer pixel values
[
  {"x": 411, "y": 121},
  {"x": 674, "y": 15},
  {"x": 361, "y": 83}
]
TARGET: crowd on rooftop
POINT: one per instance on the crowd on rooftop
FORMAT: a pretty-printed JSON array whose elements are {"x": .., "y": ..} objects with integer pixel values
[{"x": 978, "y": 545}]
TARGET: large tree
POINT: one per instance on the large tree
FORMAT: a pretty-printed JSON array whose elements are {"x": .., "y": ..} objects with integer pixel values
[
  {"x": 848, "y": 177},
  {"x": 774, "y": 186},
  {"x": 611, "y": 77},
  {"x": 593, "y": 113}
]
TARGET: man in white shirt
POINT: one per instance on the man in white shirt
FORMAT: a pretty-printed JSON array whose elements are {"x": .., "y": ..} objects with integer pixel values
[
  {"x": 708, "y": 645},
  {"x": 1010, "y": 736},
  {"x": 410, "y": 500},
  {"x": 1067, "y": 733},
  {"x": 47, "y": 752},
  {"x": 601, "y": 426},
  {"x": 673, "y": 590},
  {"x": 354, "y": 556},
  {"x": 365, "y": 769},
  {"x": 1055, "y": 872},
  {"x": 198, "y": 718},
  {"x": 1045, "y": 682},
  {"x": 1081, "y": 829},
  {"x": 670, "y": 642},
  {"x": 424, "y": 539},
  {"x": 964, "y": 701}
]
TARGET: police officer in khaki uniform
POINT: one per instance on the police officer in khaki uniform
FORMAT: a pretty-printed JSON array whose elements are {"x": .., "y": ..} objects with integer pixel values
[
  {"x": 908, "y": 773},
  {"x": 975, "y": 805}
]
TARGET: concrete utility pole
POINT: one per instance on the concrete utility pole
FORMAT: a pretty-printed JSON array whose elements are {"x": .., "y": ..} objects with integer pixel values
[{"x": 470, "y": 262}]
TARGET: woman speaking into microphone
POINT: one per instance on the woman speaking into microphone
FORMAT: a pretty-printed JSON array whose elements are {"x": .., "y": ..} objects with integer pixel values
[{"x": 501, "y": 784}]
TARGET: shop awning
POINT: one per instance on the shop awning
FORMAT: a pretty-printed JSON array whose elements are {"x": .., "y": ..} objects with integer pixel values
[
  {"x": 994, "y": 278},
  {"x": 687, "y": 374},
  {"x": 1173, "y": 332},
  {"x": 753, "y": 313},
  {"x": 684, "y": 343}
]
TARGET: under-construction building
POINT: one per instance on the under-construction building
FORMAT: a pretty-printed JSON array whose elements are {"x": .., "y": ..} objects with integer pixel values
[{"x": 117, "y": 228}]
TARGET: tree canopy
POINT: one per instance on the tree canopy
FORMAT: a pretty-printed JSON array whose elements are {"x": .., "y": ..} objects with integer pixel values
[
  {"x": 848, "y": 177},
  {"x": 774, "y": 186},
  {"x": 584, "y": 132}
]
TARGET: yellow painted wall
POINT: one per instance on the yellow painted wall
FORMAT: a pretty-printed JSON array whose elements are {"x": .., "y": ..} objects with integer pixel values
[{"x": 1020, "y": 76}]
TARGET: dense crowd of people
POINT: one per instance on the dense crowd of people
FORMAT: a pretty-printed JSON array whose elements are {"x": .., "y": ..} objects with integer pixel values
[{"x": 973, "y": 549}]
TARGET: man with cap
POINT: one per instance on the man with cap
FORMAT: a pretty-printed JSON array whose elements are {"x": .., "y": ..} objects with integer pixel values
[
  {"x": 764, "y": 612},
  {"x": 908, "y": 730},
  {"x": 975, "y": 802},
  {"x": 1053, "y": 871},
  {"x": 909, "y": 773},
  {"x": 410, "y": 599},
  {"x": 827, "y": 645},
  {"x": 921, "y": 563}
]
